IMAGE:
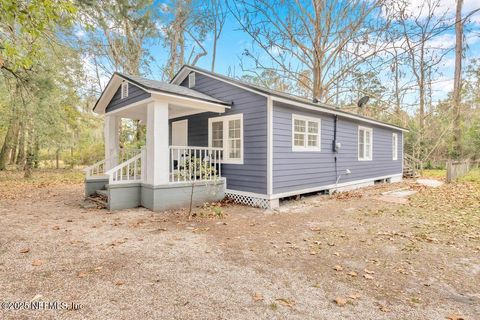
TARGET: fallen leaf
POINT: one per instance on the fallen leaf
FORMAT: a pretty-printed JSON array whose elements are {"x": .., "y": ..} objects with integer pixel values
[
  {"x": 455, "y": 317},
  {"x": 257, "y": 296},
  {"x": 56, "y": 228},
  {"x": 37, "y": 263},
  {"x": 369, "y": 271},
  {"x": 352, "y": 274},
  {"x": 315, "y": 229},
  {"x": 97, "y": 269},
  {"x": 368, "y": 277},
  {"x": 336, "y": 254},
  {"x": 81, "y": 274},
  {"x": 286, "y": 302},
  {"x": 340, "y": 301},
  {"x": 338, "y": 268},
  {"x": 119, "y": 282},
  {"x": 25, "y": 250},
  {"x": 354, "y": 296},
  {"x": 384, "y": 309}
]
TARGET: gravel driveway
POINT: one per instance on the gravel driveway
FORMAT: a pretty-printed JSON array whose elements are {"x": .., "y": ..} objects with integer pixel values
[{"x": 346, "y": 257}]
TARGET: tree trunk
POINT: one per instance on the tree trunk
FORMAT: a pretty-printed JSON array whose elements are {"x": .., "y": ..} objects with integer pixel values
[
  {"x": 7, "y": 145},
  {"x": 21, "y": 146},
  {"x": 57, "y": 158},
  {"x": 457, "y": 86},
  {"x": 29, "y": 159},
  {"x": 13, "y": 152},
  {"x": 36, "y": 154}
]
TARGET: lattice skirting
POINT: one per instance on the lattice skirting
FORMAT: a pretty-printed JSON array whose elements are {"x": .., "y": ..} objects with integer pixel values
[{"x": 248, "y": 200}]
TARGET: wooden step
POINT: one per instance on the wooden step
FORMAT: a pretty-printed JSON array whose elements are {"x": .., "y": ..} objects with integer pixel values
[
  {"x": 98, "y": 201},
  {"x": 102, "y": 193}
]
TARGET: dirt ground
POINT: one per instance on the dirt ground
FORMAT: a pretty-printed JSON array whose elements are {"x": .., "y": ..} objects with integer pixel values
[{"x": 349, "y": 256}]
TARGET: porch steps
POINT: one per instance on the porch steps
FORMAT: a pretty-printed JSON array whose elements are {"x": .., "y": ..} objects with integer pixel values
[{"x": 100, "y": 198}]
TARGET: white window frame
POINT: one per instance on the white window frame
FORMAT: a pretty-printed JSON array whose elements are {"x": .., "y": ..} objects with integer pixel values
[
  {"x": 394, "y": 146},
  {"x": 305, "y": 146},
  {"x": 191, "y": 80},
  {"x": 124, "y": 90},
  {"x": 360, "y": 128},
  {"x": 225, "y": 119}
]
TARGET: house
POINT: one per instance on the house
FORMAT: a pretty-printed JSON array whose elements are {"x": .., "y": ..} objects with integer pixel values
[{"x": 210, "y": 136}]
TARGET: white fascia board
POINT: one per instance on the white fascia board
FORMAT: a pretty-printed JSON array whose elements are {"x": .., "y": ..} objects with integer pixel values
[{"x": 340, "y": 114}]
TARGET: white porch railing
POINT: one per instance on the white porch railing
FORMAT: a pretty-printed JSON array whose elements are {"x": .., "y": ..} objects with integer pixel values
[
  {"x": 195, "y": 163},
  {"x": 130, "y": 171},
  {"x": 99, "y": 168}
]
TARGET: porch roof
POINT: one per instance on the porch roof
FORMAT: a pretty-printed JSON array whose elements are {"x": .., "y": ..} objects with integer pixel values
[{"x": 153, "y": 87}]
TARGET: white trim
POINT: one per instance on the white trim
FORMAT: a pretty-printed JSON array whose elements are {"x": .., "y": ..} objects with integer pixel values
[
  {"x": 129, "y": 106},
  {"x": 117, "y": 80},
  {"x": 331, "y": 186},
  {"x": 305, "y": 147},
  {"x": 269, "y": 145},
  {"x": 226, "y": 119},
  {"x": 365, "y": 129},
  {"x": 394, "y": 146},
  {"x": 191, "y": 79},
  {"x": 124, "y": 90},
  {"x": 340, "y": 114}
]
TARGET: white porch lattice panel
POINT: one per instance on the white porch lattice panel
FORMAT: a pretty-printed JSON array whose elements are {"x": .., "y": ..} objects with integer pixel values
[{"x": 247, "y": 200}]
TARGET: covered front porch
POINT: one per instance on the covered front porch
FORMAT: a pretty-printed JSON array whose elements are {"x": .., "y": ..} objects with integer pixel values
[{"x": 167, "y": 172}]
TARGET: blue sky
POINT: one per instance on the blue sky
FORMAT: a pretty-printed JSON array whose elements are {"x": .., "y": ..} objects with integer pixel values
[{"x": 233, "y": 42}]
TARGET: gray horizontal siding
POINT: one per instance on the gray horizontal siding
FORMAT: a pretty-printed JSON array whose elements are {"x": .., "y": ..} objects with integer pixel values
[
  {"x": 252, "y": 175},
  {"x": 135, "y": 94},
  {"x": 302, "y": 170}
]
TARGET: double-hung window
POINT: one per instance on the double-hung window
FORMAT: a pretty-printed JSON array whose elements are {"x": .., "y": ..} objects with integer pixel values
[
  {"x": 394, "y": 146},
  {"x": 227, "y": 133},
  {"x": 365, "y": 143},
  {"x": 305, "y": 133}
]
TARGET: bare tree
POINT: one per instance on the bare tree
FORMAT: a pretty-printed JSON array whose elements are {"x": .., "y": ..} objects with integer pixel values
[
  {"x": 457, "y": 86},
  {"x": 219, "y": 16},
  {"x": 312, "y": 36},
  {"x": 185, "y": 31},
  {"x": 418, "y": 27}
]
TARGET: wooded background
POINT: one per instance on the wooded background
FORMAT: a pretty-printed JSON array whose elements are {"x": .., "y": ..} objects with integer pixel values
[{"x": 55, "y": 57}]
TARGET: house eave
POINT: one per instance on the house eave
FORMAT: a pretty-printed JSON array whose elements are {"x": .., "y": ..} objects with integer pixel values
[
  {"x": 116, "y": 80},
  {"x": 298, "y": 102}
]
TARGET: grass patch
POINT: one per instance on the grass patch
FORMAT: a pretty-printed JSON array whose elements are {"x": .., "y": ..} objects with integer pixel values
[
  {"x": 434, "y": 173},
  {"x": 13, "y": 185},
  {"x": 472, "y": 176}
]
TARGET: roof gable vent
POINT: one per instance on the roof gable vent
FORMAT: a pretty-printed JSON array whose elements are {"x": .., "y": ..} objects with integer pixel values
[
  {"x": 124, "y": 90},
  {"x": 191, "y": 80}
]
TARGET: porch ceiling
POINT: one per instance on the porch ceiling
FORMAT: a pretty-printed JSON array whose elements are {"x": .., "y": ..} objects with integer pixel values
[{"x": 139, "y": 111}]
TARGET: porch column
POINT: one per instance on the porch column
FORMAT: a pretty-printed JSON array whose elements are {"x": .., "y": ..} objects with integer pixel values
[
  {"x": 158, "y": 156},
  {"x": 112, "y": 140}
]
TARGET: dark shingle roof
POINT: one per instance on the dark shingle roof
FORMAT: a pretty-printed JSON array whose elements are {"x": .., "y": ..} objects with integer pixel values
[{"x": 165, "y": 87}]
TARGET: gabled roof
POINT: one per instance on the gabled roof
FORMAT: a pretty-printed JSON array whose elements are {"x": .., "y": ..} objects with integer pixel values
[
  {"x": 282, "y": 96},
  {"x": 152, "y": 86}
]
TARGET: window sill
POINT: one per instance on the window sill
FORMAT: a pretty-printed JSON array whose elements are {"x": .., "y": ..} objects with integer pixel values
[
  {"x": 231, "y": 161},
  {"x": 365, "y": 159}
]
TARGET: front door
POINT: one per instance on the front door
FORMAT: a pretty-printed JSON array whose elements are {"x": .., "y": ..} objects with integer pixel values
[
  {"x": 180, "y": 133},
  {"x": 179, "y": 136}
]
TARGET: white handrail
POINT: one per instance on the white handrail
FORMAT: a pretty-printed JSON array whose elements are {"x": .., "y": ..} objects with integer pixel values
[
  {"x": 195, "y": 163},
  {"x": 98, "y": 168},
  {"x": 128, "y": 171}
]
